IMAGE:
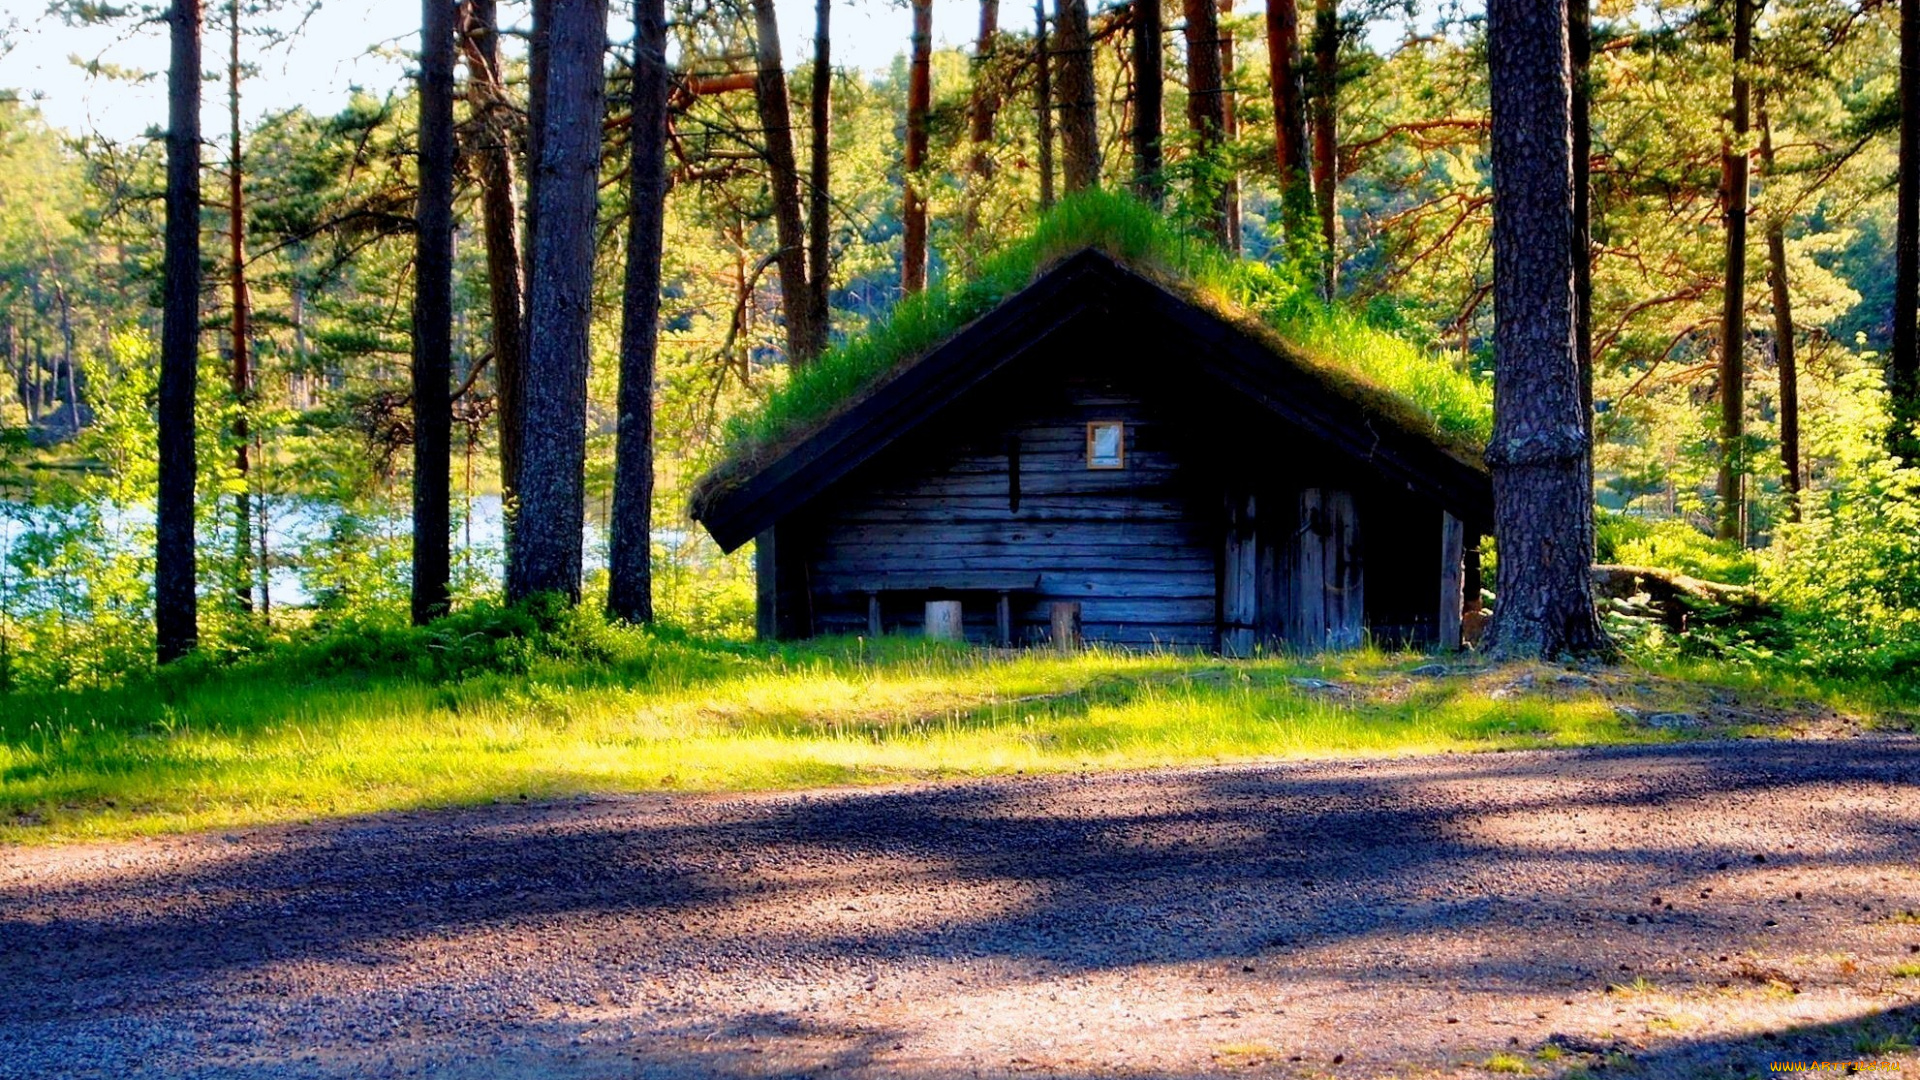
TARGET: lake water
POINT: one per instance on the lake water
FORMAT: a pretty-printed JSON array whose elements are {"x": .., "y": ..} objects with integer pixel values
[{"x": 295, "y": 525}]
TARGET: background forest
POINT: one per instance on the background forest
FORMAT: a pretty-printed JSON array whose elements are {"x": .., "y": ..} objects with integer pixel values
[{"x": 936, "y": 166}]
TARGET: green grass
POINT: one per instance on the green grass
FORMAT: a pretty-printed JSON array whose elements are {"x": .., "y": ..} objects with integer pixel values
[
  {"x": 499, "y": 705},
  {"x": 1507, "y": 1063},
  {"x": 1395, "y": 376}
]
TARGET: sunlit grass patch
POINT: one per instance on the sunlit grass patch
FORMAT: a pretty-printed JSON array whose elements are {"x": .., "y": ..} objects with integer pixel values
[{"x": 302, "y": 734}]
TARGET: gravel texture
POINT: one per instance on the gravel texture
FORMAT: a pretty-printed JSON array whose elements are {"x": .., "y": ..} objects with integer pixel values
[{"x": 1690, "y": 910}]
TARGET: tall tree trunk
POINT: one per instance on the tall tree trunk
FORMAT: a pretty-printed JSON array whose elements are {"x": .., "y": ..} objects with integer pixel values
[
  {"x": 539, "y": 49},
  {"x": 1289, "y": 120},
  {"x": 783, "y": 176},
  {"x": 1149, "y": 101},
  {"x": 982, "y": 106},
  {"x": 433, "y": 320},
  {"x": 500, "y": 223},
  {"x": 1079, "y": 123},
  {"x": 820, "y": 189},
  {"x": 1043, "y": 100},
  {"x": 1542, "y": 476},
  {"x": 1784, "y": 353},
  {"x": 630, "y": 553},
  {"x": 176, "y": 609},
  {"x": 913, "y": 269},
  {"x": 543, "y": 550},
  {"x": 1580, "y": 52},
  {"x": 1205, "y": 115},
  {"x": 242, "y": 302},
  {"x": 1903, "y": 368},
  {"x": 1731, "y": 523},
  {"x": 1229, "y": 126},
  {"x": 1326, "y": 169}
]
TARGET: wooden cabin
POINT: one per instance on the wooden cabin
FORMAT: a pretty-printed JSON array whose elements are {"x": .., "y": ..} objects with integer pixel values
[{"x": 1100, "y": 439}]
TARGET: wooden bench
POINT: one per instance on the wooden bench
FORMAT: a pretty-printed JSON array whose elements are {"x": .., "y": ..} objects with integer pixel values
[{"x": 959, "y": 581}]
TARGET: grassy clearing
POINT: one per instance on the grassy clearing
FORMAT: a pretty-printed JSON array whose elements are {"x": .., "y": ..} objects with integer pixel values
[{"x": 297, "y": 735}]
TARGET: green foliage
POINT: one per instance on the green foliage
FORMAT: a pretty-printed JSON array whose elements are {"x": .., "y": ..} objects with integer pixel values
[{"x": 1672, "y": 544}]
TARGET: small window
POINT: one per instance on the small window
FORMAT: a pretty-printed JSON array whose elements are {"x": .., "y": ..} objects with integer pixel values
[{"x": 1106, "y": 444}]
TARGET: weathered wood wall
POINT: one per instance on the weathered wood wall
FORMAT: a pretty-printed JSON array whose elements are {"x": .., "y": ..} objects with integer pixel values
[{"x": 1135, "y": 546}]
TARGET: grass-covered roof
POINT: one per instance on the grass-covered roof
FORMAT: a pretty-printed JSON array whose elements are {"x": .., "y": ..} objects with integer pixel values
[{"x": 1422, "y": 390}]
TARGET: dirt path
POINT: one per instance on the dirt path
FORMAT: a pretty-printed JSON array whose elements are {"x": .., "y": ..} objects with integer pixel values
[{"x": 1704, "y": 909}]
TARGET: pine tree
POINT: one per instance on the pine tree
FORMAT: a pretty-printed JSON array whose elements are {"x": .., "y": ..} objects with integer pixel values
[
  {"x": 1542, "y": 472},
  {"x": 544, "y": 545},
  {"x": 433, "y": 319},
  {"x": 630, "y": 552},
  {"x": 176, "y": 608}
]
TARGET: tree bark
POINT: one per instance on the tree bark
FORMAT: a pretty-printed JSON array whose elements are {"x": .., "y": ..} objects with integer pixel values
[
  {"x": 543, "y": 549},
  {"x": 913, "y": 268},
  {"x": 820, "y": 189},
  {"x": 1205, "y": 114},
  {"x": 1149, "y": 101},
  {"x": 1229, "y": 125},
  {"x": 538, "y": 51},
  {"x": 433, "y": 320},
  {"x": 1580, "y": 53},
  {"x": 1289, "y": 120},
  {"x": 242, "y": 304},
  {"x": 630, "y": 553},
  {"x": 982, "y": 107},
  {"x": 1903, "y": 368},
  {"x": 1784, "y": 354},
  {"x": 1542, "y": 478},
  {"x": 1079, "y": 123},
  {"x": 1043, "y": 100},
  {"x": 500, "y": 223},
  {"x": 783, "y": 176},
  {"x": 1731, "y": 520},
  {"x": 1326, "y": 172},
  {"x": 176, "y": 609}
]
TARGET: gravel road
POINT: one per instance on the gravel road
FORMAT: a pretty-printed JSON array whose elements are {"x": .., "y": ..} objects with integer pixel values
[{"x": 1702, "y": 909}]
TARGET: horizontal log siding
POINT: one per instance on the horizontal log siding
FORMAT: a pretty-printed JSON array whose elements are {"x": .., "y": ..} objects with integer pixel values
[{"x": 1136, "y": 546}]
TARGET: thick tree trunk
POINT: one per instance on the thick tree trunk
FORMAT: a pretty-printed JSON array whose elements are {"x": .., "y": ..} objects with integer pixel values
[
  {"x": 176, "y": 609},
  {"x": 543, "y": 550},
  {"x": 913, "y": 268},
  {"x": 630, "y": 554},
  {"x": 1731, "y": 520},
  {"x": 1903, "y": 368},
  {"x": 1580, "y": 53},
  {"x": 500, "y": 223},
  {"x": 1542, "y": 478},
  {"x": 1149, "y": 101},
  {"x": 1326, "y": 170},
  {"x": 1289, "y": 120},
  {"x": 1079, "y": 123},
  {"x": 820, "y": 189},
  {"x": 433, "y": 320},
  {"x": 1043, "y": 100},
  {"x": 1784, "y": 353},
  {"x": 1205, "y": 114},
  {"x": 783, "y": 176},
  {"x": 982, "y": 106},
  {"x": 242, "y": 304}
]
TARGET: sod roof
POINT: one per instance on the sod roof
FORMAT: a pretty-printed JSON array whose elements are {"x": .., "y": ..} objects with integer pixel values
[{"x": 1428, "y": 397}]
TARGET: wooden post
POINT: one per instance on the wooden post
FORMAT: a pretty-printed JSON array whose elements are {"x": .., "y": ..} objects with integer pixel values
[
  {"x": 874, "y": 627},
  {"x": 943, "y": 621},
  {"x": 1239, "y": 597},
  {"x": 1346, "y": 580},
  {"x": 1003, "y": 620},
  {"x": 1453, "y": 582},
  {"x": 766, "y": 579},
  {"x": 1307, "y": 622},
  {"x": 1066, "y": 625}
]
